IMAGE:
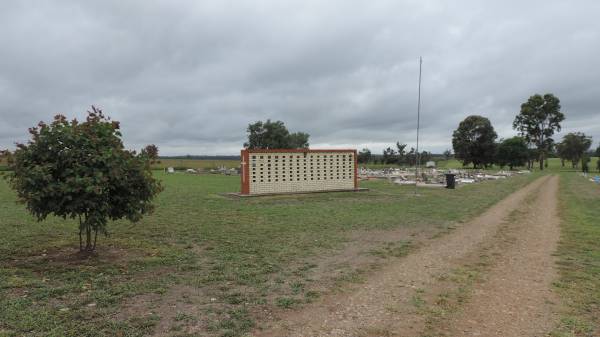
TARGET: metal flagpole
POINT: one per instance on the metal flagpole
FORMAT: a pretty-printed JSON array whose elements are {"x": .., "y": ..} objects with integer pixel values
[{"x": 418, "y": 155}]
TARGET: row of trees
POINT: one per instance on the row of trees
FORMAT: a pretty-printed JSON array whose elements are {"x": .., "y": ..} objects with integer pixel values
[
  {"x": 275, "y": 135},
  {"x": 395, "y": 156},
  {"x": 474, "y": 141},
  {"x": 539, "y": 118}
]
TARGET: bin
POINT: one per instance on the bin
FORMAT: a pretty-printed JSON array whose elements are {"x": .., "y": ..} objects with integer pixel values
[{"x": 450, "y": 180}]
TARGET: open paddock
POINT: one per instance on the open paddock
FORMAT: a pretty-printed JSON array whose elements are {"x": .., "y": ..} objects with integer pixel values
[{"x": 207, "y": 264}]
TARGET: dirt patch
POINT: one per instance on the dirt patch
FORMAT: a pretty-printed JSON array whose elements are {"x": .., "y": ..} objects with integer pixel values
[
  {"x": 384, "y": 305},
  {"x": 516, "y": 299},
  {"x": 67, "y": 256},
  {"x": 341, "y": 270},
  {"x": 179, "y": 310}
]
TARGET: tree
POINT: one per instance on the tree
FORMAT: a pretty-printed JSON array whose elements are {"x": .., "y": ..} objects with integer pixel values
[
  {"x": 274, "y": 135},
  {"x": 474, "y": 141},
  {"x": 425, "y": 157},
  {"x": 512, "y": 152},
  {"x": 151, "y": 151},
  {"x": 298, "y": 140},
  {"x": 574, "y": 146},
  {"x": 537, "y": 121},
  {"x": 447, "y": 154},
  {"x": 598, "y": 151},
  {"x": 585, "y": 160},
  {"x": 389, "y": 156},
  {"x": 561, "y": 152},
  {"x": 411, "y": 157},
  {"x": 401, "y": 153},
  {"x": 364, "y": 156},
  {"x": 82, "y": 171}
]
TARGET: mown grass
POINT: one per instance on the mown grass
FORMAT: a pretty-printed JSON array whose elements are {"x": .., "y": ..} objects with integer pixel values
[
  {"x": 579, "y": 256},
  {"x": 194, "y": 164},
  {"x": 222, "y": 261}
]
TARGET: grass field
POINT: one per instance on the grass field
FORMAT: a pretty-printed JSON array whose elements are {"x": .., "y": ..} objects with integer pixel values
[
  {"x": 579, "y": 254},
  {"x": 195, "y": 164},
  {"x": 209, "y": 265},
  {"x": 3, "y": 163}
]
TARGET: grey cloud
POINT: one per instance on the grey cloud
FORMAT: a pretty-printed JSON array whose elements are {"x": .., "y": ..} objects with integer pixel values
[{"x": 189, "y": 76}]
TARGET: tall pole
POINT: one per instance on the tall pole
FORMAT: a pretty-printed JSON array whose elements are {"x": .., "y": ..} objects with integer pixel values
[{"x": 418, "y": 154}]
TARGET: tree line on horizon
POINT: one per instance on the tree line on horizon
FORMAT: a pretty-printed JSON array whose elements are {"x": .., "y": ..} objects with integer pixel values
[
  {"x": 474, "y": 141},
  {"x": 397, "y": 155}
]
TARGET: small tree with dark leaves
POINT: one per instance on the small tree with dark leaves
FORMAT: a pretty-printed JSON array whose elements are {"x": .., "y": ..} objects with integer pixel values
[
  {"x": 364, "y": 156},
  {"x": 82, "y": 171},
  {"x": 474, "y": 141},
  {"x": 274, "y": 135},
  {"x": 512, "y": 152}
]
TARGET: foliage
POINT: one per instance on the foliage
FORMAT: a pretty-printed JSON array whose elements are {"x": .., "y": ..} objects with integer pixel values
[
  {"x": 512, "y": 152},
  {"x": 398, "y": 155},
  {"x": 401, "y": 152},
  {"x": 474, "y": 141},
  {"x": 425, "y": 157},
  {"x": 561, "y": 152},
  {"x": 389, "y": 156},
  {"x": 298, "y": 140},
  {"x": 395, "y": 156},
  {"x": 447, "y": 154},
  {"x": 81, "y": 170},
  {"x": 364, "y": 156},
  {"x": 574, "y": 146},
  {"x": 537, "y": 121},
  {"x": 585, "y": 160},
  {"x": 151, "y": 152},
  {"x": 274, "y": 135}
]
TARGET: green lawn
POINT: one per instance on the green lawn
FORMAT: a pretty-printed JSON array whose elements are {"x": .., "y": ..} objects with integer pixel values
[
  {"x": 579, "y": 254},
  {"x": 207, "y": 263},
  {"x": 181, "y": 164}
]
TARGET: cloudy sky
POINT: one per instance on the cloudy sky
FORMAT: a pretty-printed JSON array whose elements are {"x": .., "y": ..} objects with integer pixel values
[{"x": 190, "y": 75}]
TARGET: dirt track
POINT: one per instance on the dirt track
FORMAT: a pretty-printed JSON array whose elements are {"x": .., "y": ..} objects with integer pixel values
[{"x": 514, "y": 298}]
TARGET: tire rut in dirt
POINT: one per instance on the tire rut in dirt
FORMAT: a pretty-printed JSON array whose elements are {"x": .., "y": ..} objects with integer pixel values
[
  {"x": 382, "y": 305},
  {"x": 517, "y": 298}
]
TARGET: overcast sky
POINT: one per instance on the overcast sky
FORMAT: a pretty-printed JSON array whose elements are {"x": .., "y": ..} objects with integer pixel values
[{"x": 189, "y": 76}]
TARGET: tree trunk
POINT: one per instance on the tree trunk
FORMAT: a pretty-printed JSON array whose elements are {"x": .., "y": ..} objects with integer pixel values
[
  {"x": 95, "y": 239},
  {"x": 88, "y": 239},
  {"x": 80, "y": 232},
  {"x": 541, "y": 161}
]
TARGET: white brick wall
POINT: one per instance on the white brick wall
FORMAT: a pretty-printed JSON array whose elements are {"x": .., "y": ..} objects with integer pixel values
[{"x": 285, "y": 172}]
